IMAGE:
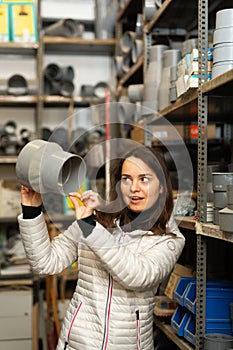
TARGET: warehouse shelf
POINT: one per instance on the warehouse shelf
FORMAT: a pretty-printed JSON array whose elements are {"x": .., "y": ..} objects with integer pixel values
[
  {"x": 170, "y": 333},
  {"x": 186, "y": 222},
  {"x": 185, "y": 108},
  {"x": 78, "y": 45},
  {"x": 211, "y": 230},
  {"x": 222, "y": 85},
  {"x": 49, "y": 100},
  {"x": 133, "y": 76},
  {"x": 8, "y": 159},
  {"x": 19, "y": 48},
  {"x": 55, "y": 101},
  {"x": 17, "y": 101}
]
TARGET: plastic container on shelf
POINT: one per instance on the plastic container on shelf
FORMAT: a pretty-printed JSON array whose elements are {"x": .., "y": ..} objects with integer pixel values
[
  {"x": 179, "y": 320},
  {"x": 221, "y": 326},
  {"x": 217, "y": 341},
  {"x": 181, "y": 288},
  {"x": 224, "y": 18},
  {"x": 218, "y": 298}
]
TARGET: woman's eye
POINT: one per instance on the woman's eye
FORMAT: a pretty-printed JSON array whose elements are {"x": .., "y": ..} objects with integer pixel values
[
  {"x": 144, "y": 179},
  {"x": 125, "y": 179}
]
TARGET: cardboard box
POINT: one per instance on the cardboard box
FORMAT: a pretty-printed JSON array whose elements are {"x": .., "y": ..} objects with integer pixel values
[
  {"x": 194, "y": 67},
  {"x": 10, "y": 198},
  {"x": 23, "y": 23},
  {"x": 138, "y": 134},
  {"x": 162, "y": 133},
  {"x": 159, "y": 133},
  {"x": 4, "y": 23},
  {"x": 178, "y": 271},
  {"x": 211, "y": 131}
]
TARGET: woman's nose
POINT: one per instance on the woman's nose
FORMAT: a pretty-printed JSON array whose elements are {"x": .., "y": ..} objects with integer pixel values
[{"x": 134, "y": 186}]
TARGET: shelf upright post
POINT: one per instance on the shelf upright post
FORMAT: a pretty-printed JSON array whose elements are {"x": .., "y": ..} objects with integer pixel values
[
  {"x": 202, "y": 171},
  {"x": 147, "y": 42}
]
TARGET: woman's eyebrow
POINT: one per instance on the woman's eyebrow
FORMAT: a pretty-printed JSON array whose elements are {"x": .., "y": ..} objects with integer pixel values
[
  {"x": 140, "y": 175},
  {"x": 146, "y": 174}
]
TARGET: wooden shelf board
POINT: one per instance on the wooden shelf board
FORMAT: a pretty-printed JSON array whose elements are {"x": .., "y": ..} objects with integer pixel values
[
  {"x": 170, "y": 333},
  {"x": 184, "y": 109},
  {"x": 8, "y": 159},
  {"x": 16, "y": 280},
  {"x": 221, "y": 85},
  {"x": 79, "y": 45},
  {"x": 18, "y": 48},
  {"x": 17, "y": 100},
  {"x": 211, "y": 230},
  {"x": 186, "y": 222},
  {"x": 53, "y": 100}
]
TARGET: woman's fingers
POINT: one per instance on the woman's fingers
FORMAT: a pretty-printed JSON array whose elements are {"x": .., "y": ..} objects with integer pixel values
[{"x": 30, "y": 197}]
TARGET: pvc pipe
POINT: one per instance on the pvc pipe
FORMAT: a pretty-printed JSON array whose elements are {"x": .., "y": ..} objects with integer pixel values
[
  {"x": 100, "y": 89},
  {"x": 66, "y": 28},
  {"x": 45, "y": 167},
  {"x": 87, "y": 90},
  {"x": 17, "y": 85},
  {"x": 66, "y": 88},
  {"x": 53, "y": 72}
]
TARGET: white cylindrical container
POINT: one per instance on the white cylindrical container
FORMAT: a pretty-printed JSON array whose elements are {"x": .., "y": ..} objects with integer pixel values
[
  {"x": 153, "y": 77},
  {"x": 170, "y": 59},
  {"x": 224, "y": 18}
]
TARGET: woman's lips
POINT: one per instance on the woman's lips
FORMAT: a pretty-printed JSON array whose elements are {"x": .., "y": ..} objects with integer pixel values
[{"x": 135, "y": 199}]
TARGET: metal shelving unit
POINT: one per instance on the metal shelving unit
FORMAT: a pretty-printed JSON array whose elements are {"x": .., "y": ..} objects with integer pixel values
[{"x": 210, "y": 102}]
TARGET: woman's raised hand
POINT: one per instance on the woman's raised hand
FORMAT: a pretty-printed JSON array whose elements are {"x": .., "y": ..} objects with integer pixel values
[
  {"x": 30, "y": 198},
  {"x": 90, "y": 201}
]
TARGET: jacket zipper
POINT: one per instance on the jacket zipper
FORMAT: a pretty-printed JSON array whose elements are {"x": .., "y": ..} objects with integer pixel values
[
  {"x": 107, "y": 314},
  {"x": 137, "y": 329},
  {"x": 71, "y": 324}
]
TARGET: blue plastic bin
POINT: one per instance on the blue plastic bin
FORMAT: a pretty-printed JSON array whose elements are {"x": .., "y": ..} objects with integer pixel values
[
  {"x": 180, "y": 290},
  {"x": 221, "y": 326},
  {"x": 179, "y": 320},
  {"x": 190, "y": 329},
  {"x": 218, "y": 300}
]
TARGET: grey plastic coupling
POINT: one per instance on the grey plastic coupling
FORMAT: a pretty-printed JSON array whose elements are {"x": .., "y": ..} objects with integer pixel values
[{"x": 45, "y": 167}]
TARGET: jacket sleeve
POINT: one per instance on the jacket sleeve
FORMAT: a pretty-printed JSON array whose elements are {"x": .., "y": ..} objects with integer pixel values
[
  {"x": 137, "y": 269},
  {"x": 47, "y": 257}
]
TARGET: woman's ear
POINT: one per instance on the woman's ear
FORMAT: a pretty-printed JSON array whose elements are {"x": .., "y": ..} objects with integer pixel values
[{"x": 160, "y": 189}]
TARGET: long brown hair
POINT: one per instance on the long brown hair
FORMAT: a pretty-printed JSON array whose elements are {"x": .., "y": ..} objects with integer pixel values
[{"x": 156, "y": 217}]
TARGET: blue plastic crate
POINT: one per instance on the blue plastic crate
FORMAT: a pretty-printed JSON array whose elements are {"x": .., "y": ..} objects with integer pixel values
[
  {"x": 218, "y": 293},
  {"x": 221, "y": 326},
  {"x": 190, "y": 329},
  {"x": 180, "y": 290},
  {"x": 190, "y": 298},
  {"x": 179, "y": 320}
]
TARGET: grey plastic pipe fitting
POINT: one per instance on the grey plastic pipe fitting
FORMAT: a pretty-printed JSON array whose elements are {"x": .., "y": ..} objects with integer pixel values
[{"x": 45, "y": 167}]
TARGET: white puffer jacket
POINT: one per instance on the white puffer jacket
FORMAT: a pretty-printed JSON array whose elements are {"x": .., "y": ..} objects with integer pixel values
[{"x": 119, "y": 273}]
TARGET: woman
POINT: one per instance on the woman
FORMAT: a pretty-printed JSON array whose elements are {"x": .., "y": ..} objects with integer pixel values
[{"x": 125, "y": 249}]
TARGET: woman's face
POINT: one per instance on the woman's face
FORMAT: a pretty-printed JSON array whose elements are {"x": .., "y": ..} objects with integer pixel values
[{"x": 140, "y": 186}]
